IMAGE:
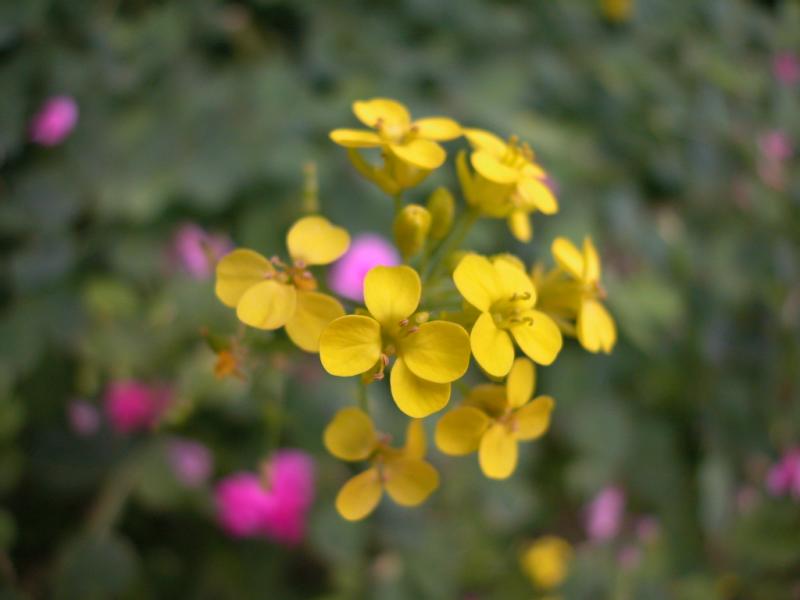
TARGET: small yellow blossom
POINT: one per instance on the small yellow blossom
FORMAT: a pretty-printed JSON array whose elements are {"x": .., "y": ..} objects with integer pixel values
[
  {"x": 401, "y": 472},
  {"x": 410, "y": 148},
  {"x": 574, "y": 291},
  {"x": 430, "y": 355},
  {"x": 269, "y": 294},
  {"x": 617, "y": 11},
  {"x": 507, "y": 183},
  {"x": 227, "y": 365},
  {"x": 546, "y": 561},
  {"x": 494, "y": 419},
  {"x": 505, "y": 297}
]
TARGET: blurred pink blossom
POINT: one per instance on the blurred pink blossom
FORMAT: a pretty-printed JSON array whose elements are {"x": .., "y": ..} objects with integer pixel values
[
  {"x": 775, "y": 145},
  {"x": 135, "y": 406},
  {"x": 196, "y": 251},
  {"x": 346, "y": 276},
  {"x": 276, "y": 507},
  {"x": 604, "y": 514},
  {"x": 784, "y": 477},
  {"x": 648, "y": 529},
  {"x": 191, "y": 461},
  {"x": 84, "y": 418},
  {"x": 786, "y": 67},
  {"x": 629, "y": 557},
  {"x": 54, "y": 121}
]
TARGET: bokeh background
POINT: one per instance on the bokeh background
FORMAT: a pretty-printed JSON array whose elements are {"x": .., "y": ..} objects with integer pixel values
[{"x": 668, "y": 127}]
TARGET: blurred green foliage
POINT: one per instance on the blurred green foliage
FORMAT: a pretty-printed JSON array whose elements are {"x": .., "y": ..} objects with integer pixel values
[{"x": 206, "y": 111}]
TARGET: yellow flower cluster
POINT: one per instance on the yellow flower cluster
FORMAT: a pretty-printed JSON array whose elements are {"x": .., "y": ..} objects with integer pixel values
[{"x": 408, "y": 328}]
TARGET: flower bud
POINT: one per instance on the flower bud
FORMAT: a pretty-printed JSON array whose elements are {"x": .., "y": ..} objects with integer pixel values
[
  {"x": 411, "y": 227},
  {"x": 441, "y": 206}
]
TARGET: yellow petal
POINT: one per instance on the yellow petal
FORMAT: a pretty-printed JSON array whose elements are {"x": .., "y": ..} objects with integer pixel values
[
  {"x": 267, "y": 305},
  {"x": 355, "y": 138},
  {"x": 438, "y": 351},
  {"x": 492, "y": 169},
  {"x": 350, "y": 345},
  {"x": 312, "y": 315},
  {"x": 238, "y": 271},
  {"x": 437, "y": 128},
  {"x": 568, "y": 257},
  {"x": 491, "y": 347},
  {"x": 538, "y": 194},
  {"x": 459, "y": 431},
  {"x": 360, "y": 495},
  {"x": 483, "y": 140},
  {"x": 520, "y": 225},
  {"x": 416, "y": 445},
  {"x": 497, "y": 453},
  {"x": 489, "y": 398},
  {"x": 477, "y": 280},
  {"x": 392, "y": 294},
  {"x": 591, "y": 262},
  {"x": 533, "y": 419},
  {"x": 350, "y": 435},
  {"x": 465, "y": 178},
  {"x": 423, "y": 154},
  {"x": 315, "y": 241},
  {"x": 409, "y": 481},
  {"x": 520, "y": 382},
  {"x": 515, "y": 283},
  {"x": 546, "y": 562},
  {"x": 541, "y": 340},
  {"x": 417, "y": 397},
  {"x": 509, "y": 258},
  {"x": 596, "y": 329},
  {"x": 390, "y": 112}
]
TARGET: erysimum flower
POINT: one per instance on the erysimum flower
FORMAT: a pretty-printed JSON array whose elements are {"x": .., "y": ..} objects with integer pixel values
[
  {"x": 429, "y": 355},
  {"x": 402, "y": 473},
  {"x": 54, "y": 121},
  {"x": 505, "y": 297},
  {"x": 546, "y": 561},
  {"x": 604, "y": 514},
  {"x": 191, "y": 461},
  {"x": 346, "y": 276},
  {"x": 134, "y": 406},
  {"x": 507, "y": 183},
  {"x": 410, "y": 148},
  {"x": 494, "y": 418},
  {"x": 197, "y": 251},
  {"x": 574, "y": 291},
  {"x": 269, "y": 294}
]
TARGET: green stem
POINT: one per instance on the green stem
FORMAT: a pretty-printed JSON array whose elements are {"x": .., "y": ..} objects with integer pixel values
[
  {"x": 459, "y": 232},
  {"x": 398, "y": 203},
  {"x": 363, "y": 398}
]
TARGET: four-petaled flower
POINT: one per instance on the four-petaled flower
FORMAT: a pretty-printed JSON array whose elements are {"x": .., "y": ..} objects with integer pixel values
[
  {"x": 269, "y": 294},
  {"x": 494, "y": 419},
  {"x": 430, "y": 355},
  {"x": 505, "y": 297},
  {"x": 401, "y": 472},
  {"x": 507, "y": 183}
]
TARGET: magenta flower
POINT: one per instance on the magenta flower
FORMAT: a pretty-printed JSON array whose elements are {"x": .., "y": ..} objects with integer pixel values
[
  {"x": 775, "y": 146},
  {"x": 197, "y": 251},
  {"x": 604, "y": 514},
  {"x": 191, "y": 461},
  {"x": 83, "y": 417},
  {"x": 134, "y": 406},
  {"x": 242, "y": 503},
  {"x": 784, "y": 477},
  {"x": 786, "y": 67},
  {"x": 54, "y": 121},
  {"x": 346, "y": 276}
]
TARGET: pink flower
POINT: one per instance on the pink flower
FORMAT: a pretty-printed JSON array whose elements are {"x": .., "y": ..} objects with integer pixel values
[
  {"x": 242, "y": 503},
  {"x": 784, "y": 477},
  {"x": 775, "y": 146},
  {"x": 134, "y": 406},
  {"x": 84, "y": 418},
  {"x": 604, "y": 514},
  {"x": 368, "y": 250},
  {"x": 54, "y": 121},
  {"x": 197, "y": 251},
  {"x": 786, "y": 67},
  {"x": 191, "y": 461}
]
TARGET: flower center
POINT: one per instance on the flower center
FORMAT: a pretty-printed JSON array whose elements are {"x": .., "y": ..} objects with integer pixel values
[
  {"x": 512, "y": 311},
  {"x": 394, "y": 133},
  {"x": 517, "y": 154},
  {"x": 296, "y": 274}
]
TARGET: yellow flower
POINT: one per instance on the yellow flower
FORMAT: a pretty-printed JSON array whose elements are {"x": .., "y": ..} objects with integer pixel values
[
  {"x": 402, "y": 473},
  {"x": 269, "y": 294},
  {"x": 410, "y": 148},
  {"x": 574, "y": 291},
  {"x": 430, "y": 355},
  {"x": 507, "y": 183},
  {"x": 494, "y": 419},
  {"x": 505, "y": 297},
  {"x": 617, "y": 11},
  {"x": 546, "y": 561}
]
